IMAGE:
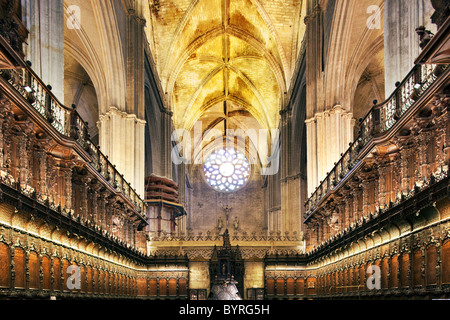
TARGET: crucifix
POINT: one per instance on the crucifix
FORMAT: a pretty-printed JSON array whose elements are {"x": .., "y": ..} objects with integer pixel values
[{"x": 227, "y": 215}]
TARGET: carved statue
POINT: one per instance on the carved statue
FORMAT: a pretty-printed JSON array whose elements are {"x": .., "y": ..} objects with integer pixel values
[
  {"x": 236, "y": 223},
  {"x": 220, "y": 224}
]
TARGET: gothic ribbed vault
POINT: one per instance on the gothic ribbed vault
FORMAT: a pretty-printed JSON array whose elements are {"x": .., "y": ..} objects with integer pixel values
[{"x": 215, "y": 53}]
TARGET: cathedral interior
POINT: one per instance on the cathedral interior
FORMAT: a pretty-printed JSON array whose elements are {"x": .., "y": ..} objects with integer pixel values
[{"x": 164, "y": 149}]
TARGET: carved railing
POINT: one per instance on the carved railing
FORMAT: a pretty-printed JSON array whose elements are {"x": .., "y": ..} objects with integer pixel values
[
  {"x": 68, "y": 122},
  {"x": 383, "y": 117},
  {"x": 378, "y": 121}
]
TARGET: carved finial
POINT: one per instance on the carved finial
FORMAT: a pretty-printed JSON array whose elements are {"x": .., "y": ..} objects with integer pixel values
[{"x": 424, "y": 35}]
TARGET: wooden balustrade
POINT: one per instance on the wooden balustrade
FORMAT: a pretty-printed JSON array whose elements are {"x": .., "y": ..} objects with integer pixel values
[
  {"x": 379, "y": 121},
  {"x": 47, "y": 156},
  {"x": 67, "y": 122}
]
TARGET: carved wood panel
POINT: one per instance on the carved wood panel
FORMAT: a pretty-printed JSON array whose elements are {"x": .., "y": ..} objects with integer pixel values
[
  {"x": 394, "y": 275},
  {"x": 270, "y": 284},
  {"x": 46, "y": 273},
  {"x": 19, "y": 268},
  {"x": 431, "y": 263},
  {"x": 142, "y": 287},
  {"x": 4, "y": 265},
  {"x": 446, "y": 262},
  {"x": 417, "y": 268},
  {"x": 162, "y": 287},
  {"x": 172, "y": 287},
  {"x": 33, "y": 269},
  {"x": 404, "y": 273},
  {"x": 182, "y": 286},
  {"x": 56, "y": 274},
  {"x": 153, "y": 287}
]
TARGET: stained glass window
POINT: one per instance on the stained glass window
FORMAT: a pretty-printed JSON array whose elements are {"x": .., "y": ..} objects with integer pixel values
[{"x": 227, "y": 170}]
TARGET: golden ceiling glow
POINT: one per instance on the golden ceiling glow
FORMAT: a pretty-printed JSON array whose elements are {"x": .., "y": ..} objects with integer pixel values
[{"x": 238, "y": 53}]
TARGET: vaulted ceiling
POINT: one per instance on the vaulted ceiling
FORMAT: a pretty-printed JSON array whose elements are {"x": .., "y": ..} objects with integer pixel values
[{"x": 224, "y": 60}]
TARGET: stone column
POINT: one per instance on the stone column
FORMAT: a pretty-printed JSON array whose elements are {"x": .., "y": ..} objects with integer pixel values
[
  {"x": 274, "y": 202},
  {"x": 313, "y": 181},
  {"x": 328, "y": 136},
  {"x": 313, "y": 35},
  {"x": 182, "y": 222},
  {"x": 45, "y": 21},
  {"x": 135, "y": 63},
  {"x": 122, "y": 139},
  {"x": 166, "y": 148},
  {"x": 401, "y": 41},
  {"x": 329, "y": 127},
  {"x": 121, "y": 128},
  {"x": 290, "y": 181}
]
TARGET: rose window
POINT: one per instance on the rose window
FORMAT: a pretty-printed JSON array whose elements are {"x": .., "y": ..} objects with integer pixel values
[{"x": 227, "y": 170}]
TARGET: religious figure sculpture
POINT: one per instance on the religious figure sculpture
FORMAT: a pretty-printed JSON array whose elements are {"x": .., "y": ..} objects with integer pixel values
[
  {"x": 236, "y": 223},
  {"x": 220, "y": 224}
]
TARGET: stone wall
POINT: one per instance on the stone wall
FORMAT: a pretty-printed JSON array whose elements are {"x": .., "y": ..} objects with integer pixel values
[
  {"x": 247, "y": 205},
  {"x": 254, "y": 276},
  {"x": 199, "y": 275}
]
